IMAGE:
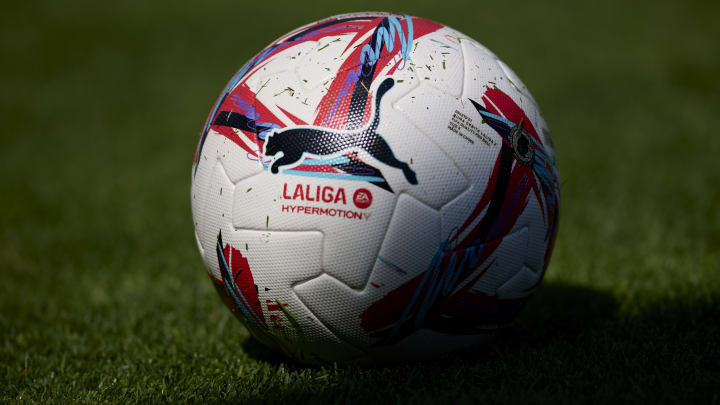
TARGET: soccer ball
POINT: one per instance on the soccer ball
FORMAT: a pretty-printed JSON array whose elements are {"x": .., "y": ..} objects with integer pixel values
[{"x": 375, "y": 187}]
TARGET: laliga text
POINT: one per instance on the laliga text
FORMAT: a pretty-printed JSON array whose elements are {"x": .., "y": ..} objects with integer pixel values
[{"x": 361, "y": 198}]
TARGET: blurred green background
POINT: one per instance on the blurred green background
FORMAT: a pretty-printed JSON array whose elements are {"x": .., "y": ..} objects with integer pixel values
[{"x": 103, "y": 296}]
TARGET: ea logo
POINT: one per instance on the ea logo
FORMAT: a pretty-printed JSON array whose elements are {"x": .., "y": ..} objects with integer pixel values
[{"x": 362, "y": 198}]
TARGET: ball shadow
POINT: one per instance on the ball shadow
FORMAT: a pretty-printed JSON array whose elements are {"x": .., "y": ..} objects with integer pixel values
[
  {"x": 556, "y": 311},
  {"x": 258, "y": 351},
  {"x": 570, "y": 342}
]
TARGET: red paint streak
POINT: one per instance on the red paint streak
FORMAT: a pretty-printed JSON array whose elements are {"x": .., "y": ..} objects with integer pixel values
[
  {"x": 293, "y": 118},
  {"x": 484, "y": 200},
  {"x": 230, "y": 134},
  {"x": 243, "y": 278},
  {"x": 385, "y": 312},
  {"x": 272, "y": 306},
  {"x": 510, "y": 110},
  {"x": 369, "y": 25}
]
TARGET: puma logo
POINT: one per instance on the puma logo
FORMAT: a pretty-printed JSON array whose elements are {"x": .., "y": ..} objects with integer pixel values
[{"x": 294, "y": 143}]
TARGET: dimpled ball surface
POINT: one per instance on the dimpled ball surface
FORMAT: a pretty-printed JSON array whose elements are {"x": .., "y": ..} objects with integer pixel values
[{"x": 375, "y": 187}]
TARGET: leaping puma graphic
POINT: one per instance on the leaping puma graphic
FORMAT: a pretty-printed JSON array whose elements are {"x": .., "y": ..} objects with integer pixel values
[{"x": 320, "y": 141}]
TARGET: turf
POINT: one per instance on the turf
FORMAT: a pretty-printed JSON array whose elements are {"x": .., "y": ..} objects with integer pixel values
[{"x": 103, "y": 296}]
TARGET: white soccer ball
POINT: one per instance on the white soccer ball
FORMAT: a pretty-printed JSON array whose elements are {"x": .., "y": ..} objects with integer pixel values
[{"x": 375, "y": 187}]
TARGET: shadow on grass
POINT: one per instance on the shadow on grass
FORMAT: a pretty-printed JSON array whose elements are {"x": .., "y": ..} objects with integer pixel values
[
  {"x": 570, "y": 345},
  {"x": 556, "y": 311}
]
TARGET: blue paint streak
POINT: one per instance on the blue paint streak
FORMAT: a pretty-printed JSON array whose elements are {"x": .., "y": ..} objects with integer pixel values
[
  {"x": 497, "y": 117},
  {"x": 435, "y": 264},
  {"x": 443, "y": 287},
  {"x": 333, "y": 161},
  {"x": 442, "y": 44},
  {"x": 542, "y": 173},
  {"x": 439, "y": 285},
  {"x": 370, "y": 55},
  {"x": 340, "y": 176}
]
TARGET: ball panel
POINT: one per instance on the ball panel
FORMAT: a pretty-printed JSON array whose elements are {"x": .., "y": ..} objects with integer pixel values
[
  {"x": 439, "y": 178},
  {"x": 337, "y": 306},
  {"x": 274, "y": 202},
  {"x": 273, "y": 262},
  {"x": 520, "y": 285},
  {"x": 199, "y": 189},
  {"x": 438, "y": 61},
  {"x": 533, "y": 220},
  {"x": 507, "y": 259},
  {"x": 215, "y": 216},
  {"x": 446, "y": 120},
  {"x": 407, "y": 250}
]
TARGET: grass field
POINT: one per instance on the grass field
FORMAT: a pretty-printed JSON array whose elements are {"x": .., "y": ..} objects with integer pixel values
[{"x": 103, "y": 295}]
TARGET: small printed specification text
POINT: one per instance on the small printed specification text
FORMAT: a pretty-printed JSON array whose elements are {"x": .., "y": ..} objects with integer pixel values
[{"x": 462, "y": 125}]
